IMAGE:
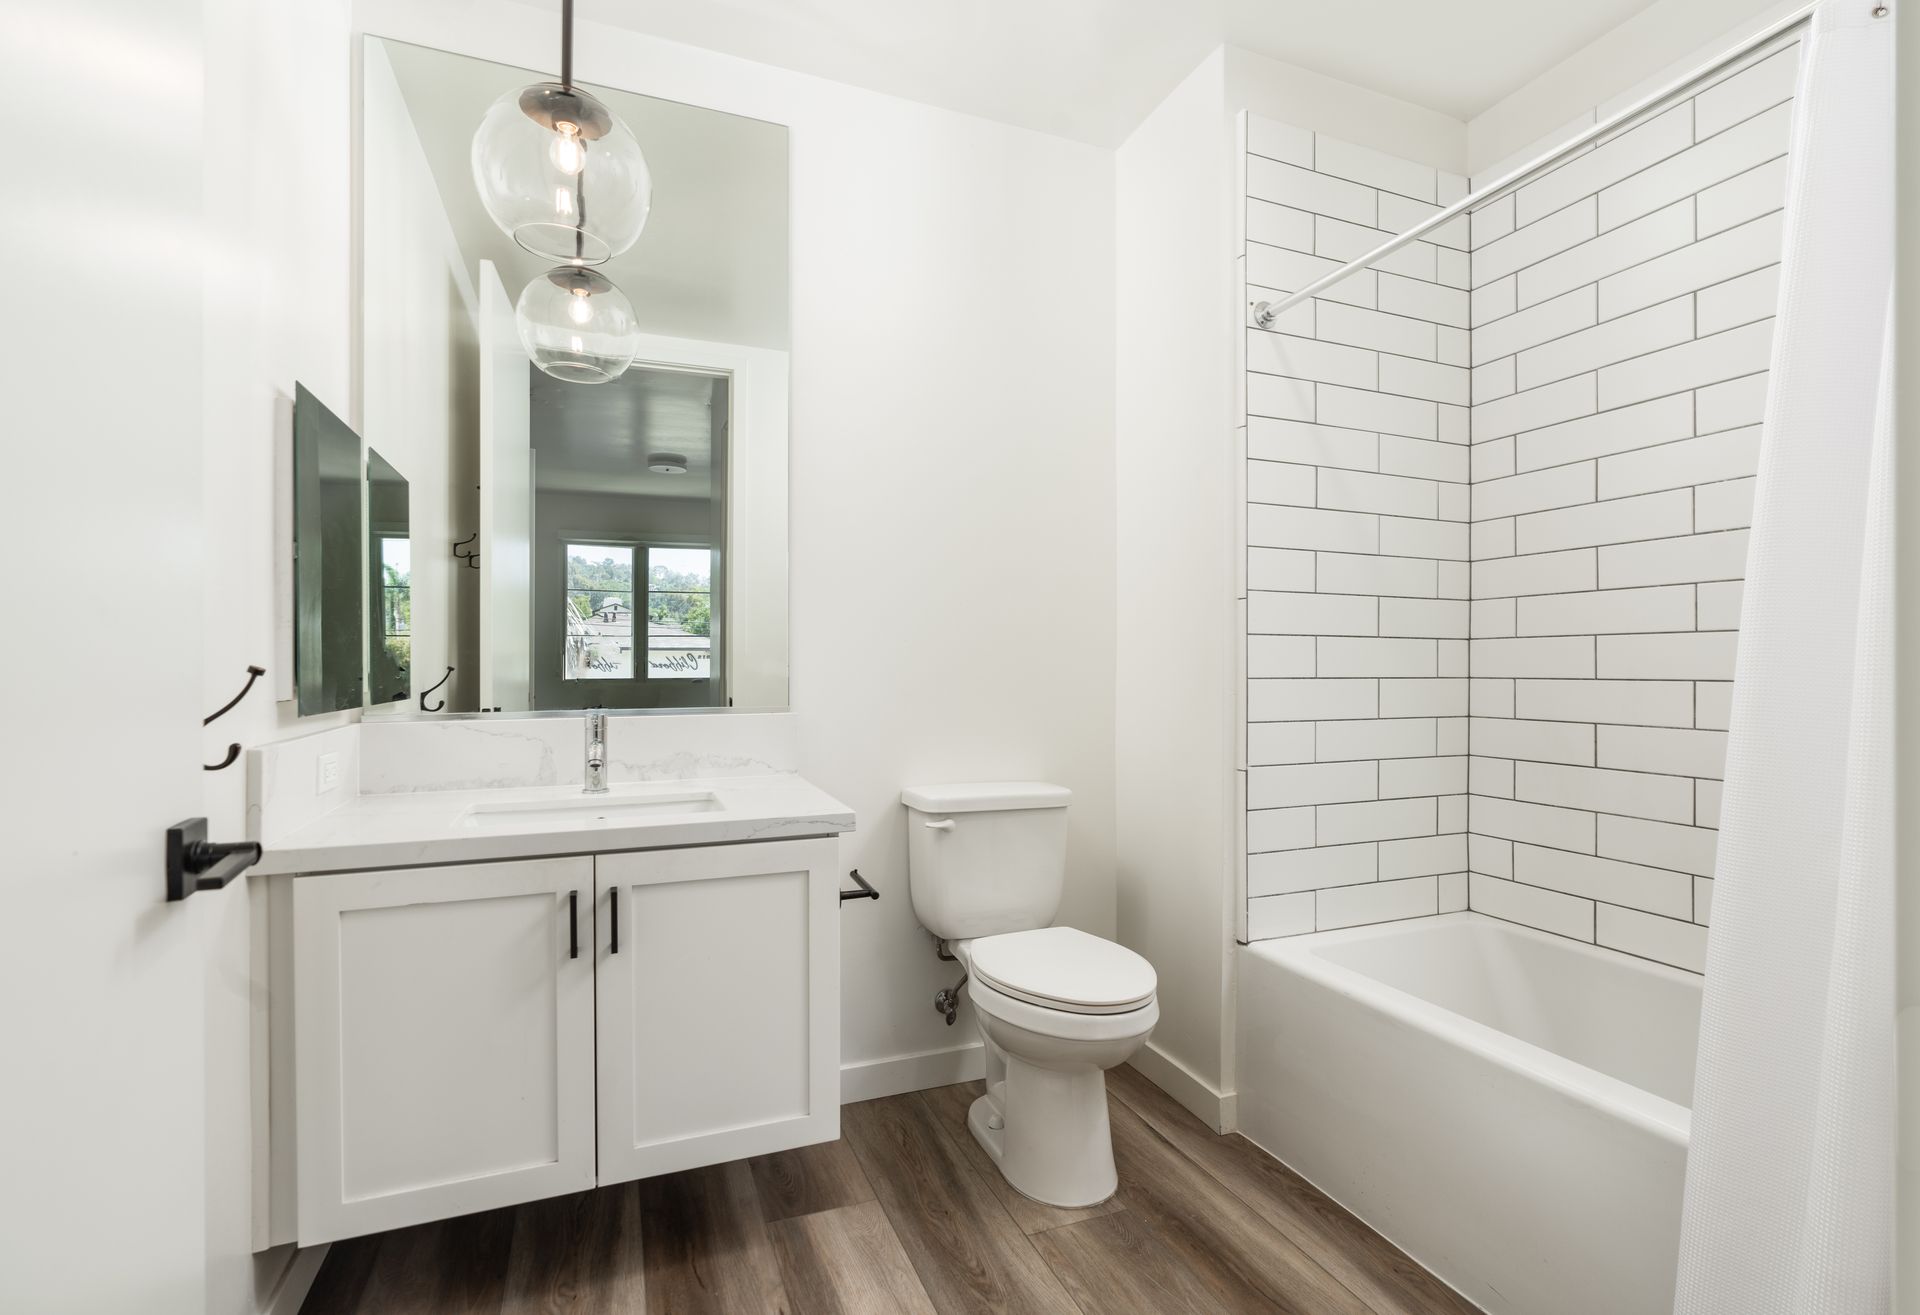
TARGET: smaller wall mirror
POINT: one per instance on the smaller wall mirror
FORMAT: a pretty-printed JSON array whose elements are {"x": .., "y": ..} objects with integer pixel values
[{"x": 327, "y": 666}]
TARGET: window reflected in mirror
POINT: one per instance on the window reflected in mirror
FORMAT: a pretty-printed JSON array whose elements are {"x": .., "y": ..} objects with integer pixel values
[
  {"x": 680, "y": 613},
  {"x": 599, "y": 611}
]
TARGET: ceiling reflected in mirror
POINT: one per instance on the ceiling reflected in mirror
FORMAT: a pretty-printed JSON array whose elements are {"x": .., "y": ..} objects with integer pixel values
[{"x": 713, "y": 264}]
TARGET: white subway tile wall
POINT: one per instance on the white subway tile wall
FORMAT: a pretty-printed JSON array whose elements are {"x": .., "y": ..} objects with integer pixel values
[
  {"x": 1358, "y": 507},
  {"x": 1496, "y": 533},
  {"x": 1617, "y": 544}
]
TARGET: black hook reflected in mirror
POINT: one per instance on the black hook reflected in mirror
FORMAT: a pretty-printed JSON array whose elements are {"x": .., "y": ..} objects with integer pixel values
[
  {"x": 470, "y": 558},
  {"x": 233, "y": 750},
  {"x": 436, "y": 685}
]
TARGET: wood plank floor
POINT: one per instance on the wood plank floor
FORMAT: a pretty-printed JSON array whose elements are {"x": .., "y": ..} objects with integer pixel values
[{"x": 906, "y": 1215}]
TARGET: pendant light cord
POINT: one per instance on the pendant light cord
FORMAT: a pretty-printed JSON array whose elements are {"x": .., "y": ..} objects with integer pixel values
[{"x": 566, "y": 82}]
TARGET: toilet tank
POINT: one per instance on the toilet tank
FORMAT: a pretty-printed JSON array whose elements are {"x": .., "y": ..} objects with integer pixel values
[{"x": 988, "y": 858}]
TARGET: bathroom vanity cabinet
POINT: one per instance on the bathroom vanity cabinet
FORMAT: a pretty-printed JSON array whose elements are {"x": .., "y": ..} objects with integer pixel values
[{"x": 455, "y": 1038}]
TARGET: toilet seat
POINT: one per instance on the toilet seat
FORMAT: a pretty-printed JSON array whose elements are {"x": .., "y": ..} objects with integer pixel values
[
  {"x": 1064, "y": 969},
  {"x": 1061, "y": 1026}
]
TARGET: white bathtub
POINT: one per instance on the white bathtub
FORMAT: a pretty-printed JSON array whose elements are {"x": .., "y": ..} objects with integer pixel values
[{"x": 1510, "y": 1108}]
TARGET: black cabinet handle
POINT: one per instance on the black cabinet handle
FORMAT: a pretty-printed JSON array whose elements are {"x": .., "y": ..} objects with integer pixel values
[
  {"x": 573, "y": 924},
  {"x": 613, "y": 906}
]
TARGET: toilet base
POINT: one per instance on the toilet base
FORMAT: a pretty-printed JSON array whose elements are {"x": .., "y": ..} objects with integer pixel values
[{"x": 1057, "y": 1149}]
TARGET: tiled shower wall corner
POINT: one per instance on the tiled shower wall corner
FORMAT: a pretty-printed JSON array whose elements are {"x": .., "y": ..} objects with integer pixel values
[
  {"x": 1357, "y": 528},
  {"x": 1621, "y": 319}
]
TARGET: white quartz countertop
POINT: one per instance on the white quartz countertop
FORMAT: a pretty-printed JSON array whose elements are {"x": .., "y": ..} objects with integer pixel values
[{"x": 477, "y": 826}]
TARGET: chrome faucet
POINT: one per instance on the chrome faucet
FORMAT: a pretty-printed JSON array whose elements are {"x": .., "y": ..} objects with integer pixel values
[{"x": 596, "y": 753}]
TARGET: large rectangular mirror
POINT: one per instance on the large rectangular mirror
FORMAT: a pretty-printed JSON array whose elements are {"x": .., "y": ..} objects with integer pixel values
[{"x": 620, "y": 544}]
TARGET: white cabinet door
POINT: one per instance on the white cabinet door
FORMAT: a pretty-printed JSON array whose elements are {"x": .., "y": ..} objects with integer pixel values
[
  {"x": 443, "y": 1041},
  {"x": 718, "y": 1004}
]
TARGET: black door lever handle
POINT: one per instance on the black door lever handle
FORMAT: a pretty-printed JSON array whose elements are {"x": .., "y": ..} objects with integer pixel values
[{"x": 196, "y": 863}]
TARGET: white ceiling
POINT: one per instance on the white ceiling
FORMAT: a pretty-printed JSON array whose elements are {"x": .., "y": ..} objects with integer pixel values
[{"x": 1092, "y": 69}]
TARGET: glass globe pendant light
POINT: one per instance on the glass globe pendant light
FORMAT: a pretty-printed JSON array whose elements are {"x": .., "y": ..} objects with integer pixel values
[
  {"x": 577, "y": 326},
  {"x": 558, "y": 171}
]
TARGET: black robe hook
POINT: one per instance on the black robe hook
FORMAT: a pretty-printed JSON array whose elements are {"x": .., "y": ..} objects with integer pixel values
[
  {"x": 436, "y": 685},
  {"x": 233, "y": 750}
]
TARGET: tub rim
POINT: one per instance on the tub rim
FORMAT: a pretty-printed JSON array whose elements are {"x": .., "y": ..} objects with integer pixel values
[{"x": 1662, "y": 1118}]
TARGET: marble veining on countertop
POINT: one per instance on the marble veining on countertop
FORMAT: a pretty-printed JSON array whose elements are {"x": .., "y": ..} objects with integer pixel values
[{"x": 469, "y": 826}]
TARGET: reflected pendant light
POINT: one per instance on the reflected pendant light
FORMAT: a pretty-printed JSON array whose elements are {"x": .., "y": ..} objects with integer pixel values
[
  {"x": 577, "y": 326},
  {"x": 559, "y": 172}
]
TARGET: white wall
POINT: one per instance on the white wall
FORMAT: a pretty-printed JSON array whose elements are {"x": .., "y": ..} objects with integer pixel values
[
  {"x": 419, "y": 372},
  {"x": 277, "y": 304},
  {"x": 1173, "y": 463},
  {"x": 1178, "y": 184},
  {"x": 105, "y": 1201},
  {"x": 952, "y": 486},
  {"x": 224, "y": 265}
]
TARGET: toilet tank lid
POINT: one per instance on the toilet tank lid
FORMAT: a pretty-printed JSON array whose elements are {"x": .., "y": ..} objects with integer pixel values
[{"x": 985, "y": 796}]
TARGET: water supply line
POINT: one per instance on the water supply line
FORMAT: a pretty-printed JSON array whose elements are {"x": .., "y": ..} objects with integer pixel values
[{"x": 946, "y": 1000}]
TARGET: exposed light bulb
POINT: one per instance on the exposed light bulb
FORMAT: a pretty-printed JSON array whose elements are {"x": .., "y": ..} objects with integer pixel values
[
  {"x": 540, "y": 153},
  {"x": 568, "y": 151},
  {"x": 576, "y": 325}
]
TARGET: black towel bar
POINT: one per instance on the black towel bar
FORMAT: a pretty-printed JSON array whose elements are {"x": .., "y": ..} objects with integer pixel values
[{"x": 866, "y": 890}]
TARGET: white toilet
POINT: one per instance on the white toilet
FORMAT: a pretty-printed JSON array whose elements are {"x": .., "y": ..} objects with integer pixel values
[{"x": 1057, "y": 1007}]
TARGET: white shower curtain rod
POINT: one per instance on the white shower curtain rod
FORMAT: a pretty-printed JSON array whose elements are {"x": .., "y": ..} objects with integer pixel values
[{"x": 1266, "y": 312}]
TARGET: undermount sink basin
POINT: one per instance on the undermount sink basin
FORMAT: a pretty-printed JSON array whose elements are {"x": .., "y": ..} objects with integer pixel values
[{"x": 612, "y": 807}]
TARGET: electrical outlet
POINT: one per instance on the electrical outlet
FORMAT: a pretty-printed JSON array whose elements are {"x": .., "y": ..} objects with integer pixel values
[{"x": 329, "y": 773}]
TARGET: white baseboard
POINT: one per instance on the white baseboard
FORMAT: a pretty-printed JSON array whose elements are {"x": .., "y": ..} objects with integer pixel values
[
  {"x": 296, "y": 1280},
  {"x": 873, "y": 1078},
  {"x": 1218, "y": 1110}
]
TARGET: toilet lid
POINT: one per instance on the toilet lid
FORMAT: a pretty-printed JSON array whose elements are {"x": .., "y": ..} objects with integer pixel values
[{"x": 1062, "y": 968}]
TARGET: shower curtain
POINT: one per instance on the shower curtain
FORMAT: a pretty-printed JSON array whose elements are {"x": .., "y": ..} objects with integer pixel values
[{"x": 1789, "y": 1196}]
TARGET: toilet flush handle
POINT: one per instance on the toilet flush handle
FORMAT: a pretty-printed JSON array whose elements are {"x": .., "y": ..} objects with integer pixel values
[{"x": 944, "y": 824}]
